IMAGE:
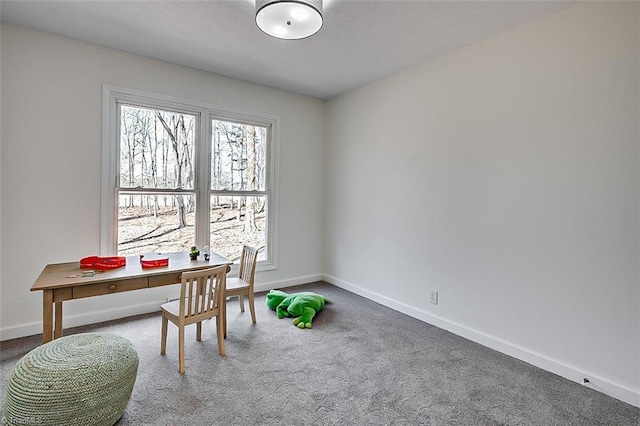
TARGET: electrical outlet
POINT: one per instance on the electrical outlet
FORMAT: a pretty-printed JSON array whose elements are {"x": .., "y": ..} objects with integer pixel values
[{"x": 433, "y": 297}]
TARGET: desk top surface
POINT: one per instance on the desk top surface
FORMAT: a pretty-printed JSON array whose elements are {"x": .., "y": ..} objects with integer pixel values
[{"x": 59, "y": 275}]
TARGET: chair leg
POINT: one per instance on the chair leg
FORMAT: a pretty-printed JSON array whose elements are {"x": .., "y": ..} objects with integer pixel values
[
  {"x": 221, "y": 333},
  {"x": 199, "y": 331},
  {"x": 222, "y": 315},
  {"x": 252, "y": 308},
  {"x": 163, "y": 340},
  {"x": 241, "y": 300},
  {"x": 181, "y": 348}
]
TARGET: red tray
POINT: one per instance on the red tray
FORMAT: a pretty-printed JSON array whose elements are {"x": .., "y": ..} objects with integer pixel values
[
  {"x": 103, "y": 263},
  {"x": 153, "y": 261}
]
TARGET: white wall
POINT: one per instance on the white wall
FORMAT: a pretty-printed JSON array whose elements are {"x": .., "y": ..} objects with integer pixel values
[
  {"x": 51, "y": 165},
  {"x": 505, "y": 176}
]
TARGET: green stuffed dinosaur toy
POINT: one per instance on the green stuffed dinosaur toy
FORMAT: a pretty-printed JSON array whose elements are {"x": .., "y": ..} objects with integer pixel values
[{"x": 302, "y": 306}]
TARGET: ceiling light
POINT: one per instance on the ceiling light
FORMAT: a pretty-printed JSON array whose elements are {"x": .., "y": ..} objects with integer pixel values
[{"x": 289, "y": 19}]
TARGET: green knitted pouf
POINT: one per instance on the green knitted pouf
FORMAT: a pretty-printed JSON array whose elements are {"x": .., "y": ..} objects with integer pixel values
[{"x": 83, "y": 379}]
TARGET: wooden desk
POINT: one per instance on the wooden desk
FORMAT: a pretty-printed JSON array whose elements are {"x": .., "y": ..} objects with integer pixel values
[{"x": 65, "y": 281}]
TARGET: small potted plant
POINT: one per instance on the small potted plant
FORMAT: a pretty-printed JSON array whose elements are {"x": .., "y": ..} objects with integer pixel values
[{"x": 194, "y": 253}]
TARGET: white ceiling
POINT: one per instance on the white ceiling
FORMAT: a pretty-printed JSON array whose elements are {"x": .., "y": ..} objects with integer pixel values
[{"x": 361, "y": 40}]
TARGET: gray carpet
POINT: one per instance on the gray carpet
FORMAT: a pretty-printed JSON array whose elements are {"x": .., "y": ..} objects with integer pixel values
[{"x": 361, "y": 364}]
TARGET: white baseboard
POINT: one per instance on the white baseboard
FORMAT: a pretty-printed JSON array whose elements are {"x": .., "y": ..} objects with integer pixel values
[
  {"x": 30, "y": 329},
  {"x": 33, "y": 328},
  {"x": 288, "y": 283},
  {"x": 596, "y": 382}
]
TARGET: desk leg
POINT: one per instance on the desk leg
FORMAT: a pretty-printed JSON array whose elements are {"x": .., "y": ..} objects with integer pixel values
[
  {"x": 47, "y": 316},
  {"x": 57, "y": 326}
]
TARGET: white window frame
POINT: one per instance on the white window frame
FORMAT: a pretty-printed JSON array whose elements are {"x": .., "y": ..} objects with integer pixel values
[{"x": 113, "y": 96}]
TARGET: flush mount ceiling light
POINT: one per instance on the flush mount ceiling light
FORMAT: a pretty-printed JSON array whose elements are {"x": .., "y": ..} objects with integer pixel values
[{"x": 289, "y": 19}]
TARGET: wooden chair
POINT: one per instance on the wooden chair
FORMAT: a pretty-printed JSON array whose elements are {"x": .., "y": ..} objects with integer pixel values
[
  {"x": 243, "y": 284},
  {"x": 202, "y": 296}
]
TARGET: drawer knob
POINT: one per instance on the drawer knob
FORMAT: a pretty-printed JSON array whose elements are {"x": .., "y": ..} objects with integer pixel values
[{"x": 112, "y": 287}]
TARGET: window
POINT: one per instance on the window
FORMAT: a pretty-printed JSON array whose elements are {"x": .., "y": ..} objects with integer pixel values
[{"x": 178, "y": 173}]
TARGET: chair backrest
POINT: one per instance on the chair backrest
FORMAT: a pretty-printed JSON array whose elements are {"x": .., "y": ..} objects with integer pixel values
[
  {"x": 202, "y": 292},
  {"x": 247, "y": 269}
]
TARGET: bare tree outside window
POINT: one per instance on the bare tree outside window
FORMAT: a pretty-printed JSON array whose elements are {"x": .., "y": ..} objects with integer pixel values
[
  {"x": 238, "y": 184},
  {"x": 157, "y": 189},
  {"x": 156, "y": 155}
]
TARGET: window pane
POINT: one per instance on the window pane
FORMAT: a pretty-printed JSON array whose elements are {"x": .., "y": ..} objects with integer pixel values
[
  {"x": 236, "y": 221},
  {"x": 151, "y": 223},
  {"x": 156, "y": 148},
  {"x": 238, "y": 157}
]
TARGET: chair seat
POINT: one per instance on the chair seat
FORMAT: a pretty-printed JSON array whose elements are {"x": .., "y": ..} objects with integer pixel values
[
  {"x": 235, "y": 285},
  {"x": 173, "y": 308}
]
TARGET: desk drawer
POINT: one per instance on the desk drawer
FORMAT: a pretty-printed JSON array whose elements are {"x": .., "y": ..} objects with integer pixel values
[
  {"x": 166, "y": 279},
  {"x": 109, "y": 287}
]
